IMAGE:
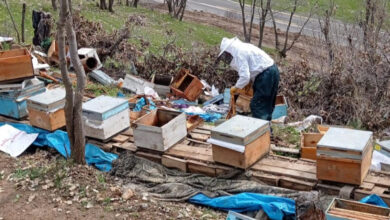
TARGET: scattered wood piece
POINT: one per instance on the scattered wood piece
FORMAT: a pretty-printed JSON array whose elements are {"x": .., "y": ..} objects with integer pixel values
[
  {"x": 120, "y": 138},
  {"x": 126, "y": 146},
  {"x": 200, "y": 137},
  {"x": 285, "y": 150}
]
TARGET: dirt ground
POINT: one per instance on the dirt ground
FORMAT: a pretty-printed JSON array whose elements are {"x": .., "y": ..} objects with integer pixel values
[{"x": 43, "y": 185}]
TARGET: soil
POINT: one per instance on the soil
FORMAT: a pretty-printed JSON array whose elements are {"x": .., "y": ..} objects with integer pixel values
[{"x": 30, "y": 189}]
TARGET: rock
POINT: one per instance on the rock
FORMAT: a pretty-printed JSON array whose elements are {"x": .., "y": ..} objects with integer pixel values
[
  {"x": 145, "y": 196},
  {"x": 73, "y": 187},
  {"x": 144, "y": 206},
  {"x": 116, "y": 191},
  {"x": 67, "y": 212},
  {"x": 180, "y": 215},
  {"x": 68, "y": 202},
  {"x": 127, "y": 194},
  {"x": 59, "y": 210},
  {"x": 89, "y": 205},
  {"x": 31, "y": 198},
  {"x": 117, "y": 215}
]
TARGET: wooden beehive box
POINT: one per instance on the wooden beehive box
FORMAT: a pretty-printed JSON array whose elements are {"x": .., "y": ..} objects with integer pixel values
[
  {"x": 46, "y": 110},
  {"x": 341, "y": 209},
  {"x": 161, "y": 84},
  {"x": 240, "y": 141},
  {"x": 186, "y": 85},
  {"x": 344, "y": 155},
  {"x": 309, "y": 145},
  {"x": 105, "y": 116},
  {"x": 15, "y": 65},
  {"x": 13, "y": 97},
  {"x": 160, "y": 129}
]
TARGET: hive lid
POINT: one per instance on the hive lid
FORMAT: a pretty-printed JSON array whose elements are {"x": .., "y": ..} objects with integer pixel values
[
  {"x": 21, "y": 90},
  {"x": 240, "y": 130},
  {"x": 50, "y": 100},
  {"x": 345, "y": 139},
  {"x": 103, "y": 107}
]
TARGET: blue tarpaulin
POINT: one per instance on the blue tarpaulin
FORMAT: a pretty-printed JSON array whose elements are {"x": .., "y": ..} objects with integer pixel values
[
  {"x": 275, "y": 207},
  {"x": 59, "y": 140},
  {"x": 374, "y": 200},
  {"x": 207, "y": 117}
]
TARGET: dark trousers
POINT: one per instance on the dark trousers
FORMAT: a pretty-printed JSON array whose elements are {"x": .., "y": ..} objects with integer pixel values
[{"x": 265, "y": 89}]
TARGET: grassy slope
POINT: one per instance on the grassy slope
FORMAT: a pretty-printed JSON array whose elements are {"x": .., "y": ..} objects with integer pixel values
[{"x": 155, "y": 30}]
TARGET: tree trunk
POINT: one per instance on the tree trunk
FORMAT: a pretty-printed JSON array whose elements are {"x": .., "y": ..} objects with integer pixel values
[
  {"x": 127, "y": 2},
  {"x": 54, "y": 4},
  {"x": 23, "y": 18},
  {"x": 242, "y": 6},
  {"x": 73, "y": 105},
  {"x": 110, "y": 5},
  {"x": 12, "y": 19},
  {"x": 103, "y": 4},
  {"x": 263, "y": 17},
  {"x": 135, "y": 3},
  {"x": 253, "y": 8}
]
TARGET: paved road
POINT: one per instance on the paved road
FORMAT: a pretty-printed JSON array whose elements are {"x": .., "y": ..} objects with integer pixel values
[{"x": 231, "y": 9}]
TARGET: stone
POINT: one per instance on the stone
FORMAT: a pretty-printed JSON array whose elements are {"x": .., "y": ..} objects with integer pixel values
[{"x": 127, "y": 194}]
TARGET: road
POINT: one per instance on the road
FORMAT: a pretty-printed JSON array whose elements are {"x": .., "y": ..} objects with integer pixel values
[{"x": 231, "y": 9}]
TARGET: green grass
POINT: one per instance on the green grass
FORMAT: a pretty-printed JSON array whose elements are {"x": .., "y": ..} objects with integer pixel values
[{"x": 155, "y": 31}]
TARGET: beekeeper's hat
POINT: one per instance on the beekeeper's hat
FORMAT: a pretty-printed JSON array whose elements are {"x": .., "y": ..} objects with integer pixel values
[{"x": 226, "y": 43}]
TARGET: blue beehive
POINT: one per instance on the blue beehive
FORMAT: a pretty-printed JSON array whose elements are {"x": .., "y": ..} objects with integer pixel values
[
  {"x": 13, "y": 97},
  {"x": 280, "y": 107}
]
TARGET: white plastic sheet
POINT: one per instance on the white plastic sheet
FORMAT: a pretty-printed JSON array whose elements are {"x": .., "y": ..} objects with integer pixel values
[
  {"x": 235, "y": 147},
  {"x": 13, "y": 141}
]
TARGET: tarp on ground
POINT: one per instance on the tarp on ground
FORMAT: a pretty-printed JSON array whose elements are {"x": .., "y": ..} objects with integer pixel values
[
  {"x": 276, "y": 208},
  {"x": 374, "y": 200},
  {"x": 59, "y": 141},
  {"x": 174, "y": 185}
]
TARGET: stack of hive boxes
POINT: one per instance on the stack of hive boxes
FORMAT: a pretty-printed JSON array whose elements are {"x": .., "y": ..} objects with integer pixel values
[
  {"x": 105, "y": 116},
  {"x": 46, "y": 110},
  {"x": 16, "y": 83},
  {"x": 240, "y": 141}
]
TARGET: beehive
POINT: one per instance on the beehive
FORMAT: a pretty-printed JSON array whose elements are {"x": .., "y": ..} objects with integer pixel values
[
  {"x": 240, "y": 141},
  {"x": 105, "y": 116},
  {"x": 160, "y": 129},
  {"x": 46, "y": 110},
  {"x": 344, "y": 155}
]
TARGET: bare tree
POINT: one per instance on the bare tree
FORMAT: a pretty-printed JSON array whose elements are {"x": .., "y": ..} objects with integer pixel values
[
  {"x": 263, "y": 12},
  {"x": 110, "y": 5},
  {"x": 23, "y": 18},
  {"x": 135, "y": 3},
  {"x": 74, "y": 97},
  {"x": 282, "y": 50},
  {"x": 325, "y": 26},
  {"x": 247, "y": 31},
  {"x": 54, "y": 4},
  {"x": 374, "y": 17},
  {"x": 103, "y": 4},
  {"x": 12, "y": 19},
  {"x": 176, "y": 8}
]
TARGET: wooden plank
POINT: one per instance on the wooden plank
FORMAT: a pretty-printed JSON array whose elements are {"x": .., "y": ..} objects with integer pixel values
[
  {"x": 128, "y": 132},
  {"x": 295, "y": 184},
  {"x": 328, "y": 189},
  {"x": 199, "y": 142},
  {"x": 285, "y": 172},
  {"x": 153, "y": 157},
  {"x": 190, "y": 152},
  {"x": 286, "y": 165},
  {"x": 206, "y": 127},
  {"x": 174, "y": 162},
  {"x": 202, "y": 168},
  {"x": 383, "y": 181},
  {"x": 266, "y": 178},
  {"x": 126, "y": 146},
  {"x": 200, "y": 137},
  {"x": 47, "y": 120},
  {"x": 120, "y": 138},
  {"x": 199, "y": 131}
]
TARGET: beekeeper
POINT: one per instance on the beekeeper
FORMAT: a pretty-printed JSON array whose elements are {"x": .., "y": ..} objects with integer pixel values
[{"x": 252, "y": 64}]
